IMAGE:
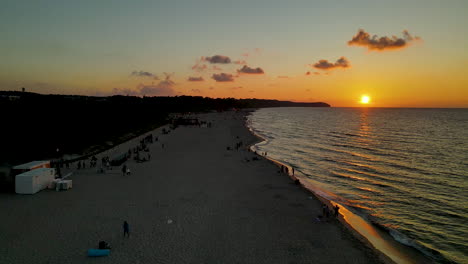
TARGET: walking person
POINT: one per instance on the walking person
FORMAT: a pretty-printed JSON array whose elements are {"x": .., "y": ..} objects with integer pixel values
[{"x": 126, "y": 229}]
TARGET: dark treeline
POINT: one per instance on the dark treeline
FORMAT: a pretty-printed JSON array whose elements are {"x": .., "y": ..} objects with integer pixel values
[{"x": 34, "y": 126}]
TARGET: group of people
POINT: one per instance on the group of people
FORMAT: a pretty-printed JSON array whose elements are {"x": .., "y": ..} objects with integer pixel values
[{"x": 326, "y": 212}]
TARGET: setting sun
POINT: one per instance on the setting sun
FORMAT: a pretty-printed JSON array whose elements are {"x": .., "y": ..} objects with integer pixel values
[{"x": 365, "y": 99}]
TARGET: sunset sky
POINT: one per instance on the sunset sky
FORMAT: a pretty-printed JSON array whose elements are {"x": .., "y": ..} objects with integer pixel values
[{"x": 288, "y": 50}]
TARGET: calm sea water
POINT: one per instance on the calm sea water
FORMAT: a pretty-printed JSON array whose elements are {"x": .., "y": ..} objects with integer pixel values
[{"x": 403, "y": 169}]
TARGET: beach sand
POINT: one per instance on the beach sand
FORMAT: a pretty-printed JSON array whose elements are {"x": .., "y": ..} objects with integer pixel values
[{"x": 193, "y": 202}]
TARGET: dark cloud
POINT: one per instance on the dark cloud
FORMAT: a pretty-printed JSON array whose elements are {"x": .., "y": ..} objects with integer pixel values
[
  {"x": 223, "y": 77},
  {"x": 195, "y": 79},
  {"x": 248, "y": 70},
  {"x": 144, "y": 74},
  {"x": 326, "y": 65},
  {"x": 218, "y": 59},
  {"x": 362, "y": 38}
]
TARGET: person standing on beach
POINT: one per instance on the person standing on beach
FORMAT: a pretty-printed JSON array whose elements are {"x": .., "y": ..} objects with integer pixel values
[
  {"x": 337, "y": 208},
  {"x": 292, "y": 169},
  {"x": 126, "y": 229},
  {"x": 124, "y": 169},
  {"x": 324, "y": 210}
]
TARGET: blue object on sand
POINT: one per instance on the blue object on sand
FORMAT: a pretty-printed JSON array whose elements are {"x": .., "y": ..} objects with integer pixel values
[{"x": 98, "y": 252}]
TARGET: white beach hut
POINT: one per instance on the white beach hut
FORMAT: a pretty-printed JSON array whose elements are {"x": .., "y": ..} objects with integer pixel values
[{"x": 33, "y": 181}]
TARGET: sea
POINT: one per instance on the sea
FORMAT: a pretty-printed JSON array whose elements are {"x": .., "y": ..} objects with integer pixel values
[{"x": 403, "y": 170}]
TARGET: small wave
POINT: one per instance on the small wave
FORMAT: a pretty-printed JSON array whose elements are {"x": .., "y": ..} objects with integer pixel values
[{"x": 405, "y": 240}]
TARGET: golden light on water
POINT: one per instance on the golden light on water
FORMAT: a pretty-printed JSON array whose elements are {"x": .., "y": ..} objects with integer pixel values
[{"x": 365, "y": 99}]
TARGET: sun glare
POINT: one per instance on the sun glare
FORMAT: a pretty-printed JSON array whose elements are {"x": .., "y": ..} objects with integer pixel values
[{"x": 365, "y": 99}]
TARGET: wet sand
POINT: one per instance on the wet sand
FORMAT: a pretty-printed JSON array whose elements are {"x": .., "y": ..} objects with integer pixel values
[{"x": 193, "y": 202}]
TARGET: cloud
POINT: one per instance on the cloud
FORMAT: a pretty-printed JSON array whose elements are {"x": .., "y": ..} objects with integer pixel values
[
  {"x": 223, "y": 77},
  {"x": 314, "y": 73},
  {"x": 196, "y": 90},
  {"x": 241, "y": 62},
  {"x": 144, "y": 74},
  {"x": 162, "y": 88},
  {"x": 326, "y": 65},
  {"x": 195, "y": 79},
  {"x": 123, "y": 91},
  {"x": 218, "y": 59},
  {"x": 216, "y": 68},
  {"x": 236, "y": 87},
  {"x": 248, "y": 70},
  {"x": 199, "y": 67},
  {"x": 362, "y": 38},
  {"x": 283, "y": 77}
]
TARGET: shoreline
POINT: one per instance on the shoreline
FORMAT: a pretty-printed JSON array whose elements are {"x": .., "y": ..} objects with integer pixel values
[{"x": 382, "y": 243}]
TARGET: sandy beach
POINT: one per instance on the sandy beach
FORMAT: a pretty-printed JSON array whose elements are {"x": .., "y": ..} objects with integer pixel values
[{"x": 193, "y": 202}]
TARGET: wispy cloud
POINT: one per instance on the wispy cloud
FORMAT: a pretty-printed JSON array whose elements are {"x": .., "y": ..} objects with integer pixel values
[
  {"x": 218, "y": 59},
  {"x": 195, "y": 79},
  {"x": 326, "y": 65},
  {"x": 162, "y": 88},
  {"x": 248, "y": 70},
  {"x": 241, "y": 62},
  {"x": 196, "y": 90},
  {"x": 144, "y": 74},
  {"x": 223, "y": 77},
  {"x": 364, "y": 39},
  {"x": 310, "y": 73}
]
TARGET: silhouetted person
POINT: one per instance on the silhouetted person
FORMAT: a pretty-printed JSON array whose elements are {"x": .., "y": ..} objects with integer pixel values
[
  {"x": 324, "y": 210},
  {"x": 124, "y": 169},
  {"x": 337, "y": 208},
  {"x": 103, "y": 245},
  {"x": 293, "y": 170},
  {"x": 126, "y": 229}
]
